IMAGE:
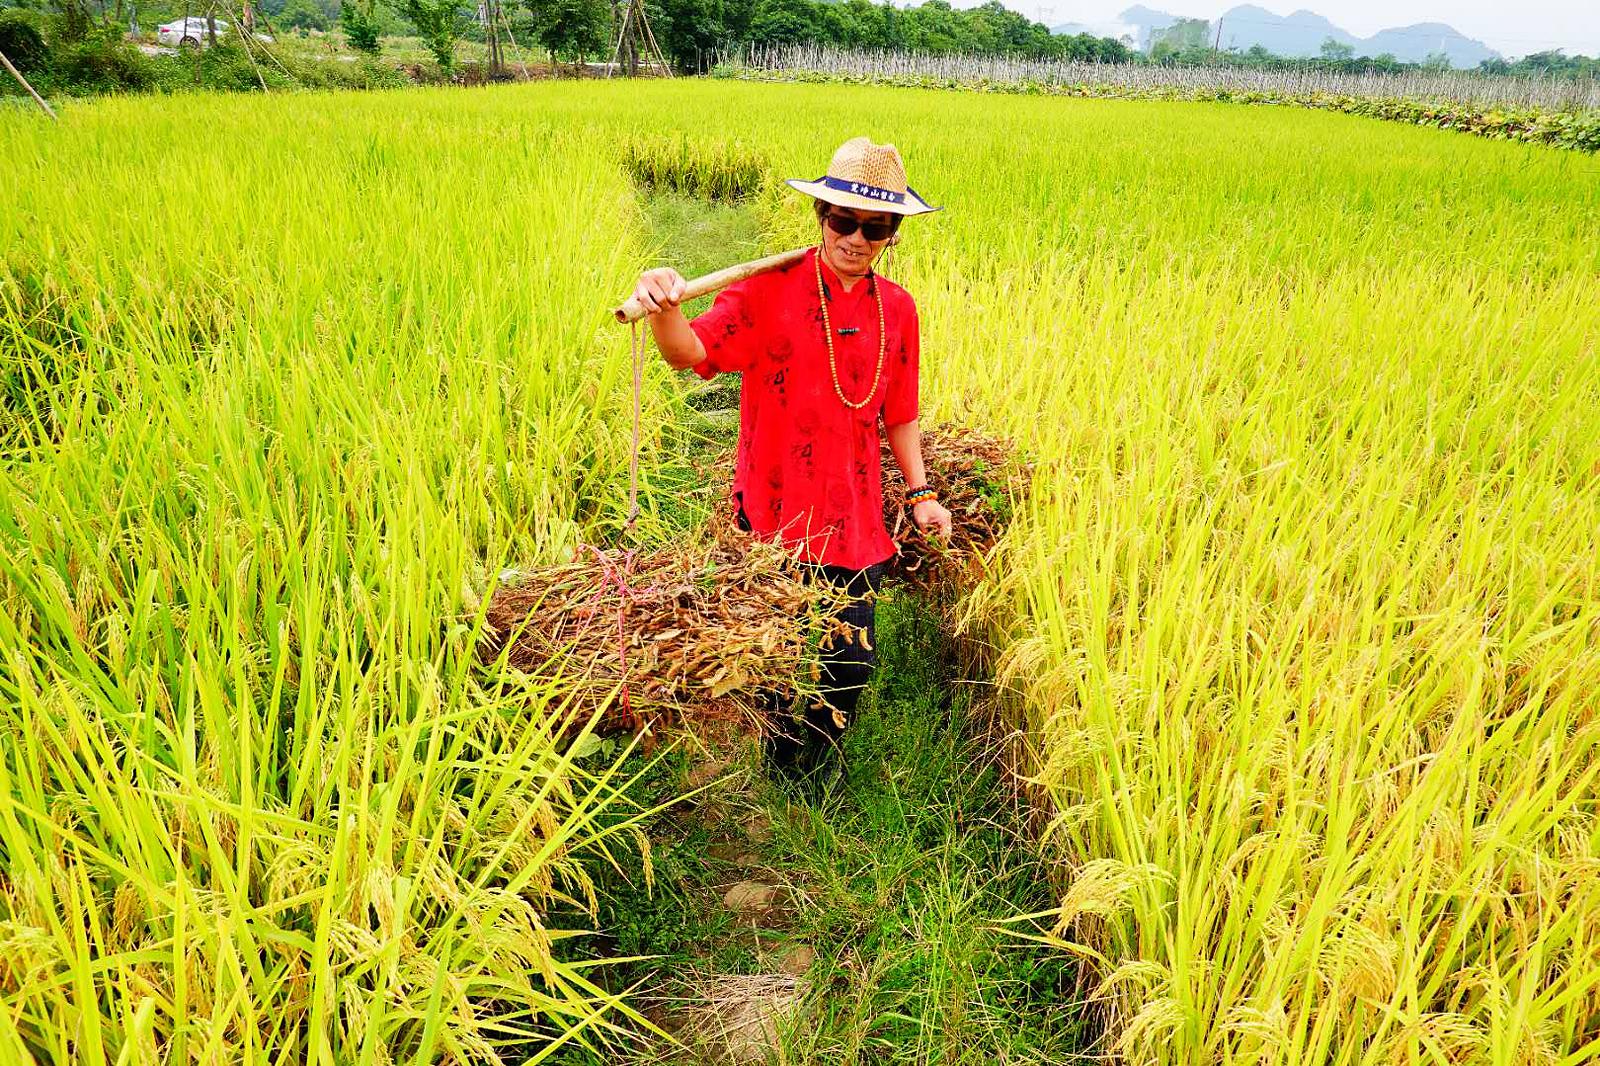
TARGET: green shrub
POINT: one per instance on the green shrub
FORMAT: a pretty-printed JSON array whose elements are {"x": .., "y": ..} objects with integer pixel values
[
  {"x": 365, "y": 73},
  {"x": 360, "y": 25},
  {"x": 99, "y": 63},
  {"x": 224, "y": 67},
  {"x": 22, "y": 42}
]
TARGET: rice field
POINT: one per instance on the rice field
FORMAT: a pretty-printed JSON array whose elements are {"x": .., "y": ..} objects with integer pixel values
[{"x": 1300, "y": 620}]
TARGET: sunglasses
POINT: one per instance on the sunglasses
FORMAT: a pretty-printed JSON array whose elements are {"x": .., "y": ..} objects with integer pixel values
[{"x": 844, "y": 225}]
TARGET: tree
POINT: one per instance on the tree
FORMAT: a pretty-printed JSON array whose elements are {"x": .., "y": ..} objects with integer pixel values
[
  {"x": 360, "y": 21},
  {"x": 438, "y": 22},
  {"x": 1098, "y": 49},
  {"x": 785, "y": 22},
  {"x": 1335, "y": 51},
  {"x": 1185, "y": 35},
  {"x": 77, "y": 20},
  {"x": 933, "y": 26},
  {"x": 1436, "y": 61},
  {"x": 863, "y": 24},
  {"x": 689, "y": 29},
  {"x": 571, "y": 29},
  {"x": 303, "y": 15}
]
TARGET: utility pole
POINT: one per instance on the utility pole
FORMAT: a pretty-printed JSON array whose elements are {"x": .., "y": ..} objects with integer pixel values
[{"x": 1218, "y": 42}]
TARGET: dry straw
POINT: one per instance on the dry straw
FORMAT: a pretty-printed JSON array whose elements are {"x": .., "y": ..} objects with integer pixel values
[{"x": 708, "y": 627}]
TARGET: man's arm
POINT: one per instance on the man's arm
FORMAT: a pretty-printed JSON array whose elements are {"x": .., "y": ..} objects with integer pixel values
[
  {"x": 905, "y": 441},
  {"x": 660, "y": 291}
]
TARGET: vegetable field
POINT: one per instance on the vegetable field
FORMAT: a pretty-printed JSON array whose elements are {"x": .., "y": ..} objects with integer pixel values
[{"x": 1300, "y": 619}]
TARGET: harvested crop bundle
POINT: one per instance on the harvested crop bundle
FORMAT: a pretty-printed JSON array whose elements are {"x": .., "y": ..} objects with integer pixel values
[
  {"x": 976, "y": 476},
  {"x": 707, "y": 629},
  {"x": 698, "y": 630}
]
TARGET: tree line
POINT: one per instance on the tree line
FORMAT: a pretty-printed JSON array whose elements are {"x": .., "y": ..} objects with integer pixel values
[{"x": 691, "y": 31}]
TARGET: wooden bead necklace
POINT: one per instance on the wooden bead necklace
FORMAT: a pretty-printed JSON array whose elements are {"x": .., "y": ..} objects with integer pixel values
[{"x": 827, "y": 333}]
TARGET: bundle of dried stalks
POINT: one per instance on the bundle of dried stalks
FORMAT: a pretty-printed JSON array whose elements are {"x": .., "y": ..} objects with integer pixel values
[
  {"x": 707, "y": 628},
  {"x": 977, "y": 477},
  {"x": 699, "y": 629}
]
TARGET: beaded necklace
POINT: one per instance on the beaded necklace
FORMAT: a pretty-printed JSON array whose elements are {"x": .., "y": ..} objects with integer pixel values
[{"x": 827, "y": 333}]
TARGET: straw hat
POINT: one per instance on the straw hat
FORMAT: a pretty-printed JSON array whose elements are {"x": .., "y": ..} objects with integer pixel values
[{"x": 867, "y": 177}]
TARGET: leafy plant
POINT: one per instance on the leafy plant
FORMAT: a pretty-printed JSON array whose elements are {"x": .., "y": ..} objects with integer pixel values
[
  {"x": 571, "y": 29},
  {"x": 360, "y": 22},
  {"x": 22, "y": 42},
  {"x": 438, "y": 22}
]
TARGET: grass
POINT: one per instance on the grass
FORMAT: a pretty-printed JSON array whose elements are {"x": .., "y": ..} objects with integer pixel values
[
  {"x": 900, "y": 880},
  {"x": 906, "y": 876},
  {"x": 698, "y": 236}
]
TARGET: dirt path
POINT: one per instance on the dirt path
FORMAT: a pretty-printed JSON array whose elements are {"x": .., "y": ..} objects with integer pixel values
[{"x": 863, "y": 926}]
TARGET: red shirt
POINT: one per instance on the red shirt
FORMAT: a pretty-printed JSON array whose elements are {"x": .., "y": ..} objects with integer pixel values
[{"x": 807, "y": 468}]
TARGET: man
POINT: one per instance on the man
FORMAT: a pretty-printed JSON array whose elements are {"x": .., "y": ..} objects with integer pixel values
[{"x": 828, "y": 350}]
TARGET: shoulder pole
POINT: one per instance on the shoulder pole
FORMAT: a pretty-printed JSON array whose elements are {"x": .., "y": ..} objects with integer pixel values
[{"x": 632, "y": 310}]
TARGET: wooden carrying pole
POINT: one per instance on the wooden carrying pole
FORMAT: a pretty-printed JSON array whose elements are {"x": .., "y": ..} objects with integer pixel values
[
  {"x": 15, "y": 73},
  {"x": 633, "y": 310}
]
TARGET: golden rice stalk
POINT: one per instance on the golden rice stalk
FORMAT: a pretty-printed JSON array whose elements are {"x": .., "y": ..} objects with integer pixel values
[
  {"x": 979, "y": 478},
  {"x": 700, "y": 629}
]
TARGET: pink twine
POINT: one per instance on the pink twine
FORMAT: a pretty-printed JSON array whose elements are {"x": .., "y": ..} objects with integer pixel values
[
  {"x": 619, "y": 576},
  {"x": 614, "y": 575}
]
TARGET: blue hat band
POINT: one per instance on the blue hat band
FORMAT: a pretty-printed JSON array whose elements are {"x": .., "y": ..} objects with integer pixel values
[{"x": 871, "y": 192}]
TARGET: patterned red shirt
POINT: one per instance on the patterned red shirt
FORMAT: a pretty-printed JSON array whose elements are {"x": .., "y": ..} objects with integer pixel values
[{"x": 807, "y": 468}]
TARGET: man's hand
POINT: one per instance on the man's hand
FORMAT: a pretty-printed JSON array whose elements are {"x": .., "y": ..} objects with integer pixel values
[
  {"x": 933, "y": 517},
  {"x": 660, "y": 289}
]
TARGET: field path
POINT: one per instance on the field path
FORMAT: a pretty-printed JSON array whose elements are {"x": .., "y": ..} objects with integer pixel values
[
  {"x": 855, "y": 924},
  {"x": 861, "y": 924}
]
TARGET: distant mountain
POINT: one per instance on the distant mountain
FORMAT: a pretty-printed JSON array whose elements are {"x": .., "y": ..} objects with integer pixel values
[
  {"x": 1118, "y": 31},
  {"x": 1299, "y": 34},
  {"x": 1147, "y": 22},
  {"x": 1302, "y": 33},
  {"x": 1425, "y": 37}
]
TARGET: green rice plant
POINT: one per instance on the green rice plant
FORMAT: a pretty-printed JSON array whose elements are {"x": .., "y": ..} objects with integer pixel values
[
  {"x": 1558, "y": 112},
  {"x": 1302, "y": 611},
  {"x": 1302, "y": 614},
  {"x": 290, "y": 396},
  {"x": 712, "y": 171}
]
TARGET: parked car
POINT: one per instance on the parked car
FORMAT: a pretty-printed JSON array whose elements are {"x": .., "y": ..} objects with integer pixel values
[{"x": 192, "y": 32}]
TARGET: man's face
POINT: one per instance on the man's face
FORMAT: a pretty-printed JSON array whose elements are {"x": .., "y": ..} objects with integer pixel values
[{"x": 852, "y": 254}]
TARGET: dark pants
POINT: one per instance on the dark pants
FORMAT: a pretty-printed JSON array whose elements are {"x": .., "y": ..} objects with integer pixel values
[{"x": 846, "y": 668}]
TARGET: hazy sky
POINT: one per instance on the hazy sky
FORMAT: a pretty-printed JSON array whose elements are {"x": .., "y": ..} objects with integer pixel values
[{"x": 1513, "y": 28}]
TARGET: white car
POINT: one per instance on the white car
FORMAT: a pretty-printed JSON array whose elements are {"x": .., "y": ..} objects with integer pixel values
[{"x": 193, "y": 32}]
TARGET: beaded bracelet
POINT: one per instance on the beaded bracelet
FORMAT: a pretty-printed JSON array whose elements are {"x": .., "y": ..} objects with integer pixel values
[{"x": 920, "y": 495}]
